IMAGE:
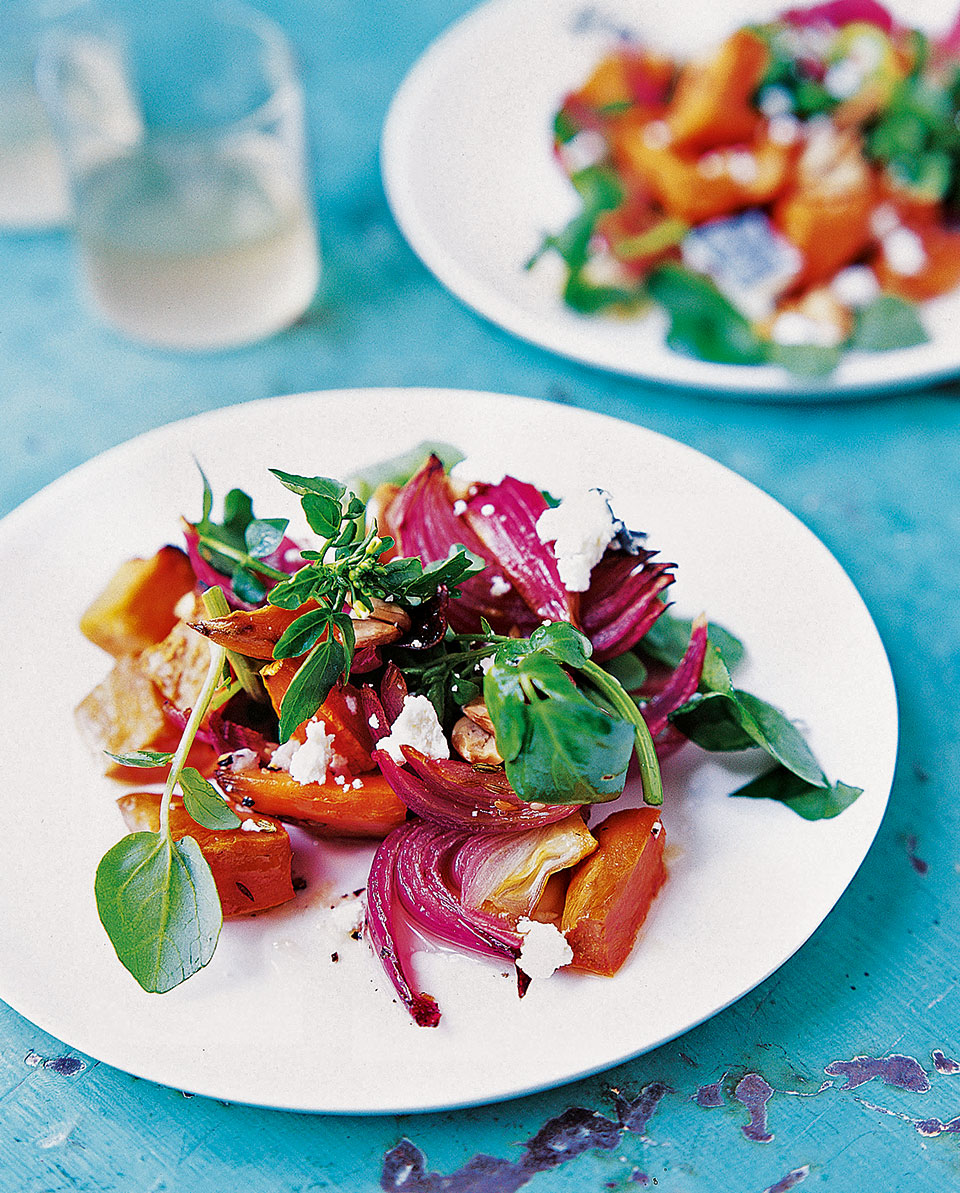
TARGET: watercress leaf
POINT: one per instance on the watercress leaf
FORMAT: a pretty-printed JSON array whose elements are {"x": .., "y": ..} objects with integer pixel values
[
  {"x": 563, "y": 642},
  {"x": 248, "y": 586},
  {"x": 736, "y": 720},
  {"x": 504, "y": 699},
  {"x": 237, "y": 511},
  {"x": 589, "y": 298},
  {"x": 324, "y": 486},
  {"x": 667, "y": 640},
  {"x": 207, "y": 498},
  {"x": 323, "y": 514},
  {"x": 158, "y": 902},
  {"x": 142, "y": 758},
  {"x": 292, "y": 593},
  {"x": 204, "y": 803},
  {"x": 573, "y": 753},
  {"x": 715, "y": 677},
  {"x": 713, "y": 721},
  {"x": 811, "y": 801},
  {"x": 263, "y": 536},
  {"x": 627, "y": 670},
  {"x": 703, "y": 323},
  {"x": 806, "y": 360},
  {"x": 311, "y": 685},
  {"x": 447, "y": 573},
  {"x": 302, "y": 634},
  {"x": 888, "y": 322},
  {"x": 782, "y": 739}
]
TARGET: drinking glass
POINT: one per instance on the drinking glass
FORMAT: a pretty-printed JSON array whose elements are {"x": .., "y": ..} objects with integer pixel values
[
  {"x": 182, "y": 128},
  {"x": 33, "y": 186}
]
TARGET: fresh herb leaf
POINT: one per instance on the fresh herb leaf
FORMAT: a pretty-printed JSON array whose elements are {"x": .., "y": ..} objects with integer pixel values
[
  {"x": 311, "y": 685},
  {"x": 812, "y": 802},
  {"x": 703, "y": 323},
  {"x": 204, "y": 803},
  {"x": 159, "y": 905},
  {"x": 806, "y": 360},
  {"x": 600, "y": 190},
  {"x": 557, "y": 746},
  {"x": 303, "y": 634},
  {"x": 323, "y": 486},
  {"x": 886, "y": 323},
  {"x": 667, "y": 639},
  {"x": 263, "y": 536},
  {"x": 236, "y": 547},
  {"x": 156, "y": 897},
  {"x": 141, "y": 758},
  {"x": 627, "y": 670}
]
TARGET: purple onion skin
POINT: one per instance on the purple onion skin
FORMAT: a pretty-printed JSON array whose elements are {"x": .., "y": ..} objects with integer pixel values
[
  {"x": 504, "y": 518},
  {"x": 620, "y": 606},
  {"x": 456, "y": 795},
  {"x": 682, "y": 683},
  {"x": 393, "y": 691},
  {"x": 381, "y": 909},
  {"x": 422, "y": 521}
]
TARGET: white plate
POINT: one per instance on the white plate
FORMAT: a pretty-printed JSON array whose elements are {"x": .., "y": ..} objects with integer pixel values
[
  {"x": 470, "y": 175},
  {"x": 272, "y": 1020}
]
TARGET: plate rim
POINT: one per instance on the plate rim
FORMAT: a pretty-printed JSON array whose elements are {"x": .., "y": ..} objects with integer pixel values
[
  {"x": 753, "y": 383},
  {"x": 50, "y": 493}
]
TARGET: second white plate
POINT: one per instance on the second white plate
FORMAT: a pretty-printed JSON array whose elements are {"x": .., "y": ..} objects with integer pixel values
[
  {"x": 471, "y": 179},
  {"x": 273, "y": 1019}
]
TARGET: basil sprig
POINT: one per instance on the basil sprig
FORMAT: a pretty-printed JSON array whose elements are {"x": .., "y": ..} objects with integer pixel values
[
  {"x": 346, "y": 570},
  {"x": 565, "y": 742},
  {"x": 156, "y": 897},
  {"x": 721, "y": 717}
]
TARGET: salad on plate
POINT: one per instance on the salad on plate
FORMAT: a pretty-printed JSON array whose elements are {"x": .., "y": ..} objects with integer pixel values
[
  {"x": 790, "y": 196},
  {"x": 476, "y": 675}
]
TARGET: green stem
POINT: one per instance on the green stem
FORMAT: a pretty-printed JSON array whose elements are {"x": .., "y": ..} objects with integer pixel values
[
  {"x": 646, "y": 751},
  {"x": 214, "y": 671},
  {"x": 245, "y": 560},
  {"x": 216, "y": 605}
]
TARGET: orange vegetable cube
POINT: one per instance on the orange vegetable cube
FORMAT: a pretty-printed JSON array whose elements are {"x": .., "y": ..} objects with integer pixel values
[
  {"x": 939, "y": 272},
  {"x": 695, "y": 188},
  {"x": 125, "y": 713},
  {"x": 251, "y": 869},
  {"x": 829, "y": 230},
  {"x": 331, "y": 809},
  {"x": 711, "y": 105},
  {"x": 136, "y": 609},
  {"x": 612, "y": 889}
]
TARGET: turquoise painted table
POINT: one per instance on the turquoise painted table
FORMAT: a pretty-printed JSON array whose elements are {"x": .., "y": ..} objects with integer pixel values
[{"x": 735, "y": 1105}]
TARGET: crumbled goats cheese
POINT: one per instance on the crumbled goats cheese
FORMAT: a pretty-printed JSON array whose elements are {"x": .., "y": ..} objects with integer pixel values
[
  {"x": 499, "y": 587},
  {"x": 856, "y": 286},
  {"x": 485, "y": 663},
  {"x": 476, "y": 470},
  {"x": 544, "y": 950},
  {"x": 904, "y": 252},
  {"x": 241, "y": 760},
  {"x": 308, "y": 761},
  {"x": 580, "y": 528},
  {"x": 416, "y": 726}
]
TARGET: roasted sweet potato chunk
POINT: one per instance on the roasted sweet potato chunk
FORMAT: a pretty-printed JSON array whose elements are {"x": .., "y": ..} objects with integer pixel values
[
  {"x": 711, "y": 105},
  {"x": 136, "y": 609},
  {"x": 611, "y": 891},
  {"x": 330, "y": 808},
  {"x": 125, "y": 713},
  {"x": 251, "y": 869}
]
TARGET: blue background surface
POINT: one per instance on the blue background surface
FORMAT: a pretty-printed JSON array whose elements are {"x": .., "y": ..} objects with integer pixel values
[{"x": 878, "y": 481}]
